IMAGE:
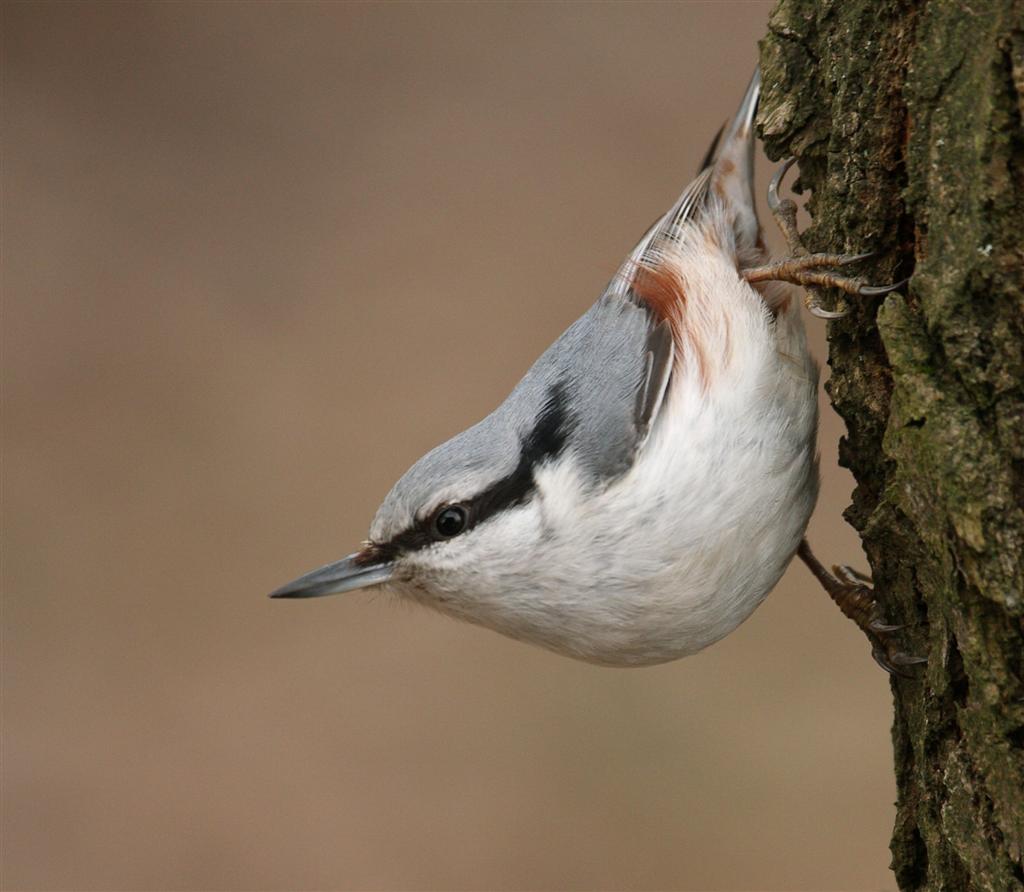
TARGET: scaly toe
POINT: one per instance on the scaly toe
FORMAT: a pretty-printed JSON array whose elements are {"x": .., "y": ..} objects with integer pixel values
[{"x": 853, "y": 595}]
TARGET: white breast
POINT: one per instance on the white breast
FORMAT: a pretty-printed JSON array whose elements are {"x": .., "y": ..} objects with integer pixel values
[{"x": 679, "y": 551}]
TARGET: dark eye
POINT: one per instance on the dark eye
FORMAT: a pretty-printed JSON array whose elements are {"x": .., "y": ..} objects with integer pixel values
[{"x": 450, "y": 521}]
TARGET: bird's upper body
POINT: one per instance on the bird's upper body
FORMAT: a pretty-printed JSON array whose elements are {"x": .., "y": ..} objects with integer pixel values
[{"x": 644, "y": 486}]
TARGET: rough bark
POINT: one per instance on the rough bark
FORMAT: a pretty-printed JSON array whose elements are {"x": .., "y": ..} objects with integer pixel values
[{"x": 906, "y": 120}]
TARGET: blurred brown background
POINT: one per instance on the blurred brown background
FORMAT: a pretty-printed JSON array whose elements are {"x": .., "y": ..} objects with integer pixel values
[{"x": 257, "y": 259}]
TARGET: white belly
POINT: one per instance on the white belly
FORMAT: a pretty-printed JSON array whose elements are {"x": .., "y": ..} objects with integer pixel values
[{"x": 679, "y": 551}]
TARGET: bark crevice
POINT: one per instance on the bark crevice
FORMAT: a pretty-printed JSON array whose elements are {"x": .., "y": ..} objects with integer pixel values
[{"x": 906, "y": 119}]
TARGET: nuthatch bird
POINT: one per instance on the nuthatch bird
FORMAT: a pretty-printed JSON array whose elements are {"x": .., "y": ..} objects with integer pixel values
[{"x": 647, "y": 482}]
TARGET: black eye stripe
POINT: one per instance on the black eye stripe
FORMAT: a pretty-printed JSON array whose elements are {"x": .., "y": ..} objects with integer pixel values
[{"x": 546, "y": 441}]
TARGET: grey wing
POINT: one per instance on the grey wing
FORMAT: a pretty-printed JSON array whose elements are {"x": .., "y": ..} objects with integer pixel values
[
  {"x": 728, "y": 170},
  {"x": 607, "y": 374},
  {"x": 658, "y": 369},
  {"x": 613, "y": 365}
]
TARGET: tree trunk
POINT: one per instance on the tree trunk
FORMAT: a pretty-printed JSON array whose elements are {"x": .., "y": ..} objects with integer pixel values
[{"x": 906, "y": 121}]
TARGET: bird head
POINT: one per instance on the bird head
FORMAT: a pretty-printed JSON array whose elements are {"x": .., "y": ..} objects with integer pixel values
[{"x": 464, "y": 523}]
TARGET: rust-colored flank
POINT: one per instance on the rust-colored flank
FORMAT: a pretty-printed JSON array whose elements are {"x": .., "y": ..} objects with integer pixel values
[{"x": 660, "y": 287}]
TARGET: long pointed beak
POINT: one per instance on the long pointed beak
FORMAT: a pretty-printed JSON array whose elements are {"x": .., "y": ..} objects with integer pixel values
[{"x": 341, "y": 576}]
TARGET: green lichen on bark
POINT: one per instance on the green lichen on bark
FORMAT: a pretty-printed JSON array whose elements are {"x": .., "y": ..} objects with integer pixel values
[{"x": 906, "y": 119}]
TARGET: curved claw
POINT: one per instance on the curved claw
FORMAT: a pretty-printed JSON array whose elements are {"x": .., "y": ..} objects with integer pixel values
[
  {"x": 897, "y": 663},
  {"x": 883, "y": 628},
  {"x": 879, "y": 657},
  {"x": 822, "y": 313},
  {"x": 856, "y": 258},
  {"x": 876, "y": 290},
  {"x": 773, "y": 186},
  {"x": 902, "y": 659},
  {"x": 849, "y": 574}
]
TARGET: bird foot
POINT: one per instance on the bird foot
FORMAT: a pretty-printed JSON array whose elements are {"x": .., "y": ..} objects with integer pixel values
[
  {"x": 854, "y": 596},
  {"x": 806, "y": 269}
]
